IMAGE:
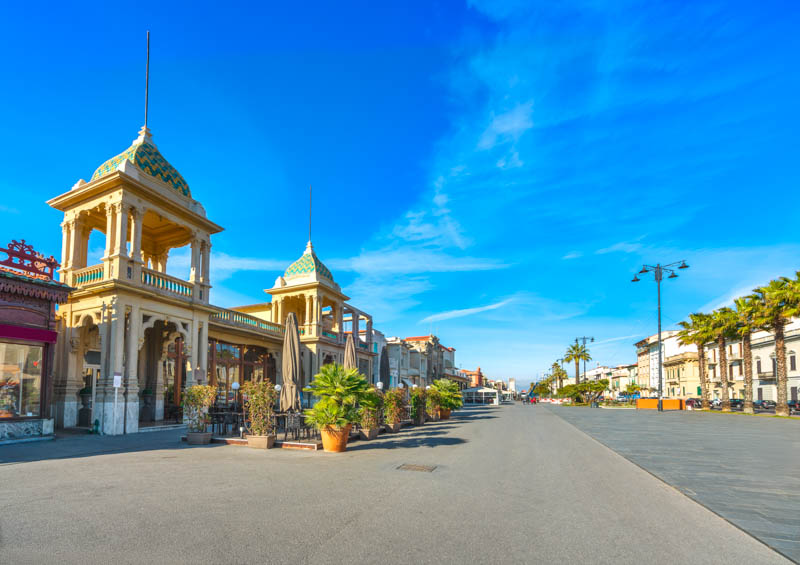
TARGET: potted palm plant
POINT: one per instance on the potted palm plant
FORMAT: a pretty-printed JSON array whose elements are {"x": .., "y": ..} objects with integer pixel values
[
  {"x": 339, "y": 391},
  {"x": 394, "y": 409},
  {"x": 197, "y": 399},
  {"x": 369, "y": 413},
  {"x": 448, "y": 395},
  {"x": 259, "y": 403}
]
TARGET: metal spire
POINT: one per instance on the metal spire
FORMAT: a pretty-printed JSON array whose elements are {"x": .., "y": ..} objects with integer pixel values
[
  {"x": 147, "y": 79},
  {"x": 309, "y": 213}
]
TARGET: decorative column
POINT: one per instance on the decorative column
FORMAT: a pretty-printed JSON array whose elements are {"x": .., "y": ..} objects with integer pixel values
[
  {"x": 66, "y": 230},
  {"x": 132, "y": 371},
  {"x": 136, "y": 243},
  {"x": 309, "y": 313},
  {"x": 114, "y": 324},
  {"x": 74, "y": 253},
  {"x": 194, "y": 270},
  {"x": 119, "y": 257},
  {"x": 108, "y": 271},
  {"x": 202, "y": 354}
]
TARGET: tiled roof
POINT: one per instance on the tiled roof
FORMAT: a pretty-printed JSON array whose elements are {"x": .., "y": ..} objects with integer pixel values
[
  {"x": 307, "y": 264},
  {"x": 144, "y": 154}
]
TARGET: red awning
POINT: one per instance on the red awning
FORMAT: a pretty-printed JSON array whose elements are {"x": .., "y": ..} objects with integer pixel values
[{"x": 27, "y": 334}]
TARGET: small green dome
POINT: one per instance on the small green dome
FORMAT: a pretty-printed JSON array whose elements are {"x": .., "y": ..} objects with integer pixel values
[
  {"x": 144, "y": 154},
  {"x": 308, "y": 264}
]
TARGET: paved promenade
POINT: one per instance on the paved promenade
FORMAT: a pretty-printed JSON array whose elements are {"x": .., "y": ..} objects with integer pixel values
[
  {"x": 744, "y": 468},
  {"x": 512, "y": 484}
]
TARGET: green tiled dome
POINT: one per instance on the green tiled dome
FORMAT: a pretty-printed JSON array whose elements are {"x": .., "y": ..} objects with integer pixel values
[
  {"x": 146, "y": 156},
  {"x": 308, "y": 264}
]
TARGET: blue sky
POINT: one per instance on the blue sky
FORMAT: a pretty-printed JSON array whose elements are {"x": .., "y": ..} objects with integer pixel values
[{"x": 492, "y": 171}]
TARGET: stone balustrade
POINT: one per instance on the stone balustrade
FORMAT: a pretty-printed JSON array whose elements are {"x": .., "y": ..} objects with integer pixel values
[
  {"x": 242, "y": 320},
  {"x": 86, "y": 276}
]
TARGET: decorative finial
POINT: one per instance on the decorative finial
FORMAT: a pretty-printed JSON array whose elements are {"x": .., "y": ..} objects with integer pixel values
[{"x": 309, "y": 216}]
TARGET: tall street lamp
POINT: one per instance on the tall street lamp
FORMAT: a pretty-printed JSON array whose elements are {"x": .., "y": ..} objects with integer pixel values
[
  {"x": 658, "y": 271},
  {"x": 583, "y": 340}
]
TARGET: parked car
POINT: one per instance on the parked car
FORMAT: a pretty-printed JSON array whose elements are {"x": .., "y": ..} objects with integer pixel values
[
  {"x": 716, "y": 402},
  {"x": 764, "y": 404},
  {"x": 794, "y": 406},
  {"x": 694, "y": 403},
  {"x": 737, "y": 404}
]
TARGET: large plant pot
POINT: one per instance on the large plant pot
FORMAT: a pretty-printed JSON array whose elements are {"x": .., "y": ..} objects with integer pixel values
[
  {"x": 444, "y": 413},
  {"x": 393, "y": 428},
  {"x": 371, "y": 433},
  {"x": 335, "y": 439},
  {"x": 198, "y": 438},
  {"x": 261, "y": 442}
]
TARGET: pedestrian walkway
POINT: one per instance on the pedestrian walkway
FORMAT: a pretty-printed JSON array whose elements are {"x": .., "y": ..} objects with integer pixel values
[
  {"x": 493, "y": 485},
  {"x": 744, "y": 468}
]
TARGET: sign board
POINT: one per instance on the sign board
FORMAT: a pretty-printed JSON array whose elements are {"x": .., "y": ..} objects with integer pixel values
[{"x": 117, "y": 380}]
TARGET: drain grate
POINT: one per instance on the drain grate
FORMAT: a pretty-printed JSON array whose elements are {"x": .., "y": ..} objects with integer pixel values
[{"x": 423, "y": 468}]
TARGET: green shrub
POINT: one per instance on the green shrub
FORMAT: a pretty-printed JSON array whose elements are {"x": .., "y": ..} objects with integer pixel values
[
  {"x": 449, "y": 395},
  {"x": 394, "y": 406},
  {"x": 197, "y": 399},
  {"x": 259, "y": 403}
]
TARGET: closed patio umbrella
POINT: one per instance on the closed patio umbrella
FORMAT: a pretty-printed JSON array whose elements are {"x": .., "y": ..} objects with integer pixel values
[
  {"x": 290, "y": 365},
  {"x": 350, "y": 360},
  {"x": 384, "y": 369}
]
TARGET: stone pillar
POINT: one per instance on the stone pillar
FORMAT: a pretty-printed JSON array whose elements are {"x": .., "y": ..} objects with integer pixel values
[
  {"x": 356, "y": 324},
  {"x": 202, "y": 353},
  {"x": 76, "y": 230},
  {"x": 309, "y": 314},
  {"x": 369, "y": 333},
  {"x": 136, "y": 244},
  {"x": 112, "y": 362},
  {"x": 109, "y": 241},
  {"x": 66, "y": 231},
  {"x": 194, "y": 353},
  {"x": 132, "y": 371},
  {"x": 119, "y": 256},
  {"x": 194, "y": 269}
]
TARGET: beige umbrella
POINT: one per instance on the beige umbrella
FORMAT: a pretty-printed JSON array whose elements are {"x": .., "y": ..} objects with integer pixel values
[
  {"x": 350, "y": 360},
  {"x": 290, "y": 365}
]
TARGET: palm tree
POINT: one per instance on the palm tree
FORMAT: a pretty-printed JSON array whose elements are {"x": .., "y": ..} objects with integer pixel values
[
  {"x": 577, "y": 352},
  {"x": 558, "y": 373},
  {"x": 723, "y": 325},
  {"x": 697, "y": 331},
  {"x": 746, "y": 310},
  {"x": 779, "y": 302}
]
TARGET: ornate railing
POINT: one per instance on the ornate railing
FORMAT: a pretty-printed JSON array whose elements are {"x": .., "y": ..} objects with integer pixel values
[
  {"x": 363, "y": 345},
  {"x": 330, "y": 335},
  {"x": 167, "y": 283},
  {"x": 242, "y": 320},
  {"x": 87, "y": 275}
]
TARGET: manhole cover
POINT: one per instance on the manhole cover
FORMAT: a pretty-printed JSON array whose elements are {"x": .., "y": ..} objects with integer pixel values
[{"x": 423, "y": 468}]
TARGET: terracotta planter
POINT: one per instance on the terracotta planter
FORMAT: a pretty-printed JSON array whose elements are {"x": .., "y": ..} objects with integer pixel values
[
  {"x": 371, "y": 433},
  {"x": 444, "y": 413},
  {"x": 335, "y": 439},
  {"x": 261, "y": 442},
  {"x": 198, "y": 438},
  {"x": 393, "y": 428}
]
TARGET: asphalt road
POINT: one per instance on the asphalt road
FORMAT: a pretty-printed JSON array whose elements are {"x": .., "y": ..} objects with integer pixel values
[{"x": 512, "y": 484}]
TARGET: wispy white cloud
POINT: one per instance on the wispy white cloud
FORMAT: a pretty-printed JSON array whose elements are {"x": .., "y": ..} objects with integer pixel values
[
  {"x": 614, "y": 339},
  {"x": 413, "y": 260},
  {"x": 508, "y": 126},
  {"x": 464, "y": 312},
  {"x": 573, "y": 255},
  {"x": 622, "y": 246}
]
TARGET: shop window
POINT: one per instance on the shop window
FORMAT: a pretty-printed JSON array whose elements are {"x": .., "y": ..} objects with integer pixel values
[{"x": 20, "y": 380}]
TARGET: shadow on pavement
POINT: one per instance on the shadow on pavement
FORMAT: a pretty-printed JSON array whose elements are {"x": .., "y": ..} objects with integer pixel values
[{"x": 78, "y": 446}]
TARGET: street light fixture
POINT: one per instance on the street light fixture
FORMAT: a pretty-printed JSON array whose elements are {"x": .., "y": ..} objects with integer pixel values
[
  {"x": 583, "y": 340},
  {"x": 658, "y": 272}
]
